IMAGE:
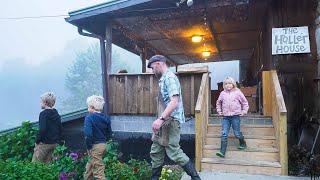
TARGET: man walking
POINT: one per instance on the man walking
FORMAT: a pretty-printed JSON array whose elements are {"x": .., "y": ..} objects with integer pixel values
[{"x": 166, "y": 128}]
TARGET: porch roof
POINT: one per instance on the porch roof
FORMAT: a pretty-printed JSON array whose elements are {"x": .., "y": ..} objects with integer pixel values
[{"x": 231, "y": 28}]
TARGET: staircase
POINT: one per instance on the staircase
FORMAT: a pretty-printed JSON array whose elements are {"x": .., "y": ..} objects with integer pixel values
[{"x": 260, "y": 157}]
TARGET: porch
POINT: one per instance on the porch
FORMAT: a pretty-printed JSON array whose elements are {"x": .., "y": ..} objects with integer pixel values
[{"x": 229, "y": 30}]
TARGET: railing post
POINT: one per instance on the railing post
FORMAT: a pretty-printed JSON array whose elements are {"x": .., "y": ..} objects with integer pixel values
[
  {"x": 283, "y": 145},
  {"x": 198, "y": 140},
  {"x": 274, "y": 106},
  {"x": 201, "y": 117},
  {"x": 266, "y": 93}
]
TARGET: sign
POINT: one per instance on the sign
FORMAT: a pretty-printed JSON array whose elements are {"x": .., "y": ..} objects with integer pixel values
[{"x": 290, "y": 40}]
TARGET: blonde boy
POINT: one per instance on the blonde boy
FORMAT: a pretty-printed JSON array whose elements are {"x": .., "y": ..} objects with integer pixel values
[
  {"x": 97, "y": 130},
  {"x": 49, "y": 134}
]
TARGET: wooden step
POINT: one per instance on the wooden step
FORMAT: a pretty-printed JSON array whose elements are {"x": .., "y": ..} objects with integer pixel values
[
  {"x": 244, "y": 155},
  {"x": 251, "y": 115},
  {"x": 248, "y": 149},
  {"x": 247, "y": 136},
  {"x": 260, "y": 130},
  {"x": 263, "y": 120},
  {"x": 251, "y": 143},
  {"x": 240, "y": 166}
]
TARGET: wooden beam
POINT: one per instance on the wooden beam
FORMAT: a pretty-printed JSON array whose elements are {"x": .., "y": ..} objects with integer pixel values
[
  {"x": 139, "y": 40},
  {"x": 143, "y": 57},
  {"x": 218, "y": 33},
  {"x": 215, "y": 36},
  {"x": 107, "y": 63},
  {"x": 156, "y": 27}
]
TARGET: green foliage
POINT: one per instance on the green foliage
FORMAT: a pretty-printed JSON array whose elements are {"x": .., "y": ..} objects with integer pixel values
[
  {"x": 141, "y": 169},
  {"x": 11, "y": 170},
  {"x": 19, "y": 144},
  {"x": 115, "y": 169},
  {"x": 70, "y": 164},
  {"x": 16, "y": 151},
  {"x": 171, "y": 173}
]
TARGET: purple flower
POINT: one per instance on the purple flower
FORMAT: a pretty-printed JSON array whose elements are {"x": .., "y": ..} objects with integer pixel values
[
  {"x": 74, "y": 156},
  {"x": 63, "y": 176},
  {"x": 71, "y": 174}
]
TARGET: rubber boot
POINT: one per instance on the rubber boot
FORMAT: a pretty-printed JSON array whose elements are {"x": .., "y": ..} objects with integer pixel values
[
  {"x": 242, "y": 144},
  {"x": 156, "y": 173},
  {"x": 223, "y": 149},
  {"x": 191, "y": 171}
]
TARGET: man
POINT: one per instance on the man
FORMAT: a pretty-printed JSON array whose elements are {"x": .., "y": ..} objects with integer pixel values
[{"x": 166, "y": 128}]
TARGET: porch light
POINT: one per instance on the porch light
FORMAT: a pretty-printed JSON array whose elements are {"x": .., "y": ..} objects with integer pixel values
[
  {"x": 196, "y": 38},
  {"x": 206, "y": 53}
]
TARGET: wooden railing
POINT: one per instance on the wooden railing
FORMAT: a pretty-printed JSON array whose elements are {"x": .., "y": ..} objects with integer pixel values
[
  {"x": 274, "y": 106},
  {"x": 202, "y": 117}
]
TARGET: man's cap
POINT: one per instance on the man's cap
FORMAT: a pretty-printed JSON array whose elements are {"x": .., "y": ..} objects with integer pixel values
[{"x": 156, "y": 58}]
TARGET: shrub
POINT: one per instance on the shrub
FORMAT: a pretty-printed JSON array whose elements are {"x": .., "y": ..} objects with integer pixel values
[
  {"x": 302, "y": 163},
  {"x": 171, "y": 173},
  {"x": 18, "y": 145},
  {"x": 11, "y": 169},
  {"x": 69, "y": 164},
  {"x": 16, "y": 151},
  {"x": 115, "y": 169}
]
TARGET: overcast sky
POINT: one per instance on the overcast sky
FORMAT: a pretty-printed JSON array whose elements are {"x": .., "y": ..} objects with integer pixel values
[
  {"x": 35, "y": 40},
  {"x": 35, "y": 54}
]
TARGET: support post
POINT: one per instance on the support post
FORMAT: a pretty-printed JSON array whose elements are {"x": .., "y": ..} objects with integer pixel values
[
  {"x": 317, "y": 79},
  {"x": 107, "y": 64}
]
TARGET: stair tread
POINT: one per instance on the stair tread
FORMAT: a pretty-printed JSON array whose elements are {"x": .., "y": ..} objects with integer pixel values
[
  {"x": 248, "y": 149},
  {"x": 257, "y": 116},
  {"x": 240, "y": 162},
  {"x": 214, "y": 135},
  {"x": 246, "y": 125}
]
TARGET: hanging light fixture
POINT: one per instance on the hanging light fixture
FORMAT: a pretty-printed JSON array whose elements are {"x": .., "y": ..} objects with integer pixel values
[
  {"x": 196, "y": 38},
  {"x": 206, "y": 53}
]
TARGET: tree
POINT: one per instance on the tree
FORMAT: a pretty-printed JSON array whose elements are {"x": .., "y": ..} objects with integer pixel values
[
  {"x": 84, "y": 78},
  {"x": 119, "y": 63}
]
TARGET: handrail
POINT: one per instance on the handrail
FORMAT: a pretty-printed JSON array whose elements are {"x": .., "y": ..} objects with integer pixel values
[
  {"x": 274, "y": 106},
  {"x": 201, "y": 119},
  {"x": 204, "y": 79}
]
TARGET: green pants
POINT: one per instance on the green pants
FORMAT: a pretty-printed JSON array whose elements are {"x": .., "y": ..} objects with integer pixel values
[{"x": 173, "y": 149}]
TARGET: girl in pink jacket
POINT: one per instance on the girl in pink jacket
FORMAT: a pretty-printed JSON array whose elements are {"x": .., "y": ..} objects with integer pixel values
[{"x": 231, "y": 104}]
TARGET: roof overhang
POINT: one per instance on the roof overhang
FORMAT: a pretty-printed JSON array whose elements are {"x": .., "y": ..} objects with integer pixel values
[{"x": 231, "y": 31}]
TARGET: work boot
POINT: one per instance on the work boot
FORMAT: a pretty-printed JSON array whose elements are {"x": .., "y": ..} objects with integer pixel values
[
  {"x": 223, "y": 149},
  {"x": 156, "y": 173},
  {"x": 191, "y": 171},
  {"x": 242, "y": 144}
]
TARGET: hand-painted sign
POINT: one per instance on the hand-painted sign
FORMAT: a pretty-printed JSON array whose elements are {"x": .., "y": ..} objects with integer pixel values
[{"x": 290, "y": 40}]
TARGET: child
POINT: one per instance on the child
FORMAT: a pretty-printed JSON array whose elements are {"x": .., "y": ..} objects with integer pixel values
[
  {"x": 231, "y": 104},
  {"x": 97, "y": 130},
  {"x": 49, "y": 134}
]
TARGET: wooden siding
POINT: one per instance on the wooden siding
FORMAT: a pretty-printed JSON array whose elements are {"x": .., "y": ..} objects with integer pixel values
[{"x": 136, "y": 93}]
